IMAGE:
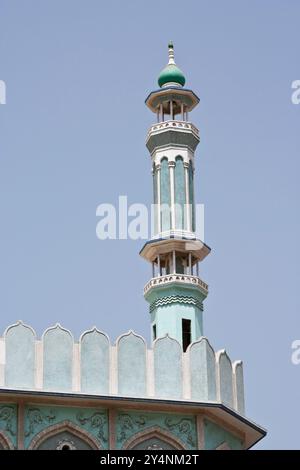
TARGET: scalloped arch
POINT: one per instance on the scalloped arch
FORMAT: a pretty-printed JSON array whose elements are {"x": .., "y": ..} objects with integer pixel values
[
  {"x": 57, "y": 326},
  {"x": 17, "y": 324},
  {"x": 94, "y": 329}
]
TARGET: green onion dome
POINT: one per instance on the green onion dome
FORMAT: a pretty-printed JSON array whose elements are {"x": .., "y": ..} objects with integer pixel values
[{"x": 171, "y": 73}]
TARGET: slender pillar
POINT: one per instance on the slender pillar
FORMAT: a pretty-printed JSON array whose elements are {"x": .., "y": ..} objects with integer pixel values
[
  {"x": 182, "y": 111},
  {"x": 172, "y": 193},
  {"x": 171, "y": 110},
  {"x": 187, "y": 197},
  {"x": 158, "y": 211},
  {"x": 190, "y": 264},
  {"x": 174, "y": 261}
]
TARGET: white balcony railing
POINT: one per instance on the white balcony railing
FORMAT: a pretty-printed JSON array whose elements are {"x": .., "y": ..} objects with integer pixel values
[
  {"x": 179, "y": 278},
  {"x": 179, "y": 125}
]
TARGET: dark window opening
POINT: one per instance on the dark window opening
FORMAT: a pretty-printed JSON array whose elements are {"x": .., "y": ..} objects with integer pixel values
[
  {"x": 186, "y": 334},
  {"x": 154, "y": 332}
]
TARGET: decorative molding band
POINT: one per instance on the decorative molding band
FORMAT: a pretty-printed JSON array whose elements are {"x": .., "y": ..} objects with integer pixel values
[
  {"x": 179, "y": 278},
  {"x": 172, "y": 299},
  {"x": 181, "y": 125}
]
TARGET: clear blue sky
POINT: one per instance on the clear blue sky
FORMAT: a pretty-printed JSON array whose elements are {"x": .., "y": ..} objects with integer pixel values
[{"x": 73, "y": 136}]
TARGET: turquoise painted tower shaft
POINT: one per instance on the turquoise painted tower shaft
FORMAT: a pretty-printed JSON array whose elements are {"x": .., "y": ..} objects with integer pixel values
[{"x": 175, "y": 292}]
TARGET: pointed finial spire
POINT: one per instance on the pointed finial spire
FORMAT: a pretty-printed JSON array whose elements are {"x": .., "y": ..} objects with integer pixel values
[{"x": 171, "y": 54}]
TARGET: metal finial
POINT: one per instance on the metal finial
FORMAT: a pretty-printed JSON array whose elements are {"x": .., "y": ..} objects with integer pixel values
[{"x": 171, "y": 53}]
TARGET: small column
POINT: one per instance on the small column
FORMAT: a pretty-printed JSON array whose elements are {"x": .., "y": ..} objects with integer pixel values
[
  {"x": 161, "y": 112},
  {"x": 158, "y": 265},
  {"x": 185, "y": 113},
  {"x": 158, "y": 199},
  {"x": 172, "y": 191},
  {"x": 190, "y": 264},
  {"x": 187, "y": 197},
  {"x": 157, "y": 114},
  {"x": 174, "y": 262},
  {"x": 182, "y": 111},
  {"x": 171, "y": 110}
]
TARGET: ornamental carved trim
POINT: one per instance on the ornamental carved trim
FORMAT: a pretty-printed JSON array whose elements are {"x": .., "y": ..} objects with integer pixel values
[
  {"x": 183, "y": 427},
  {"x": 97, "y": 421},
  {"x": 129, "y": 425},
  {"x": 36, "y": 418},
  {"x": 7, "y": 415}
]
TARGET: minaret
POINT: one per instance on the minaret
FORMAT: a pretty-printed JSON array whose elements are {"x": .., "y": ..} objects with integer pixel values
[{"x": 175, "y": 292}]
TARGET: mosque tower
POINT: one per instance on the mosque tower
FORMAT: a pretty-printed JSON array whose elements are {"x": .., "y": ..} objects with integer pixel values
[{"x": 175, "y": 292}]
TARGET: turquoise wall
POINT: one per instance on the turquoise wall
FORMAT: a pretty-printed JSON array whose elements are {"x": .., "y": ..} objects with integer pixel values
[
  {"x": 168, "y": 320},
  {"x": 128, "y": 423},
  {"x": 170, "y": 304},
  {"x": 215, "y": 436}
]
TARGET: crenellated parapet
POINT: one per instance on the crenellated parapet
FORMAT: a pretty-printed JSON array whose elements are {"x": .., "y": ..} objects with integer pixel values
[{"x": 93, "y": 365}]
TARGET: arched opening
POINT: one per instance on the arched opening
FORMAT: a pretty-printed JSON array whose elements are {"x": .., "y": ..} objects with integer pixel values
[
  {"x": 154, "y": 438},
  {"x": 64, "y": 436}
]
